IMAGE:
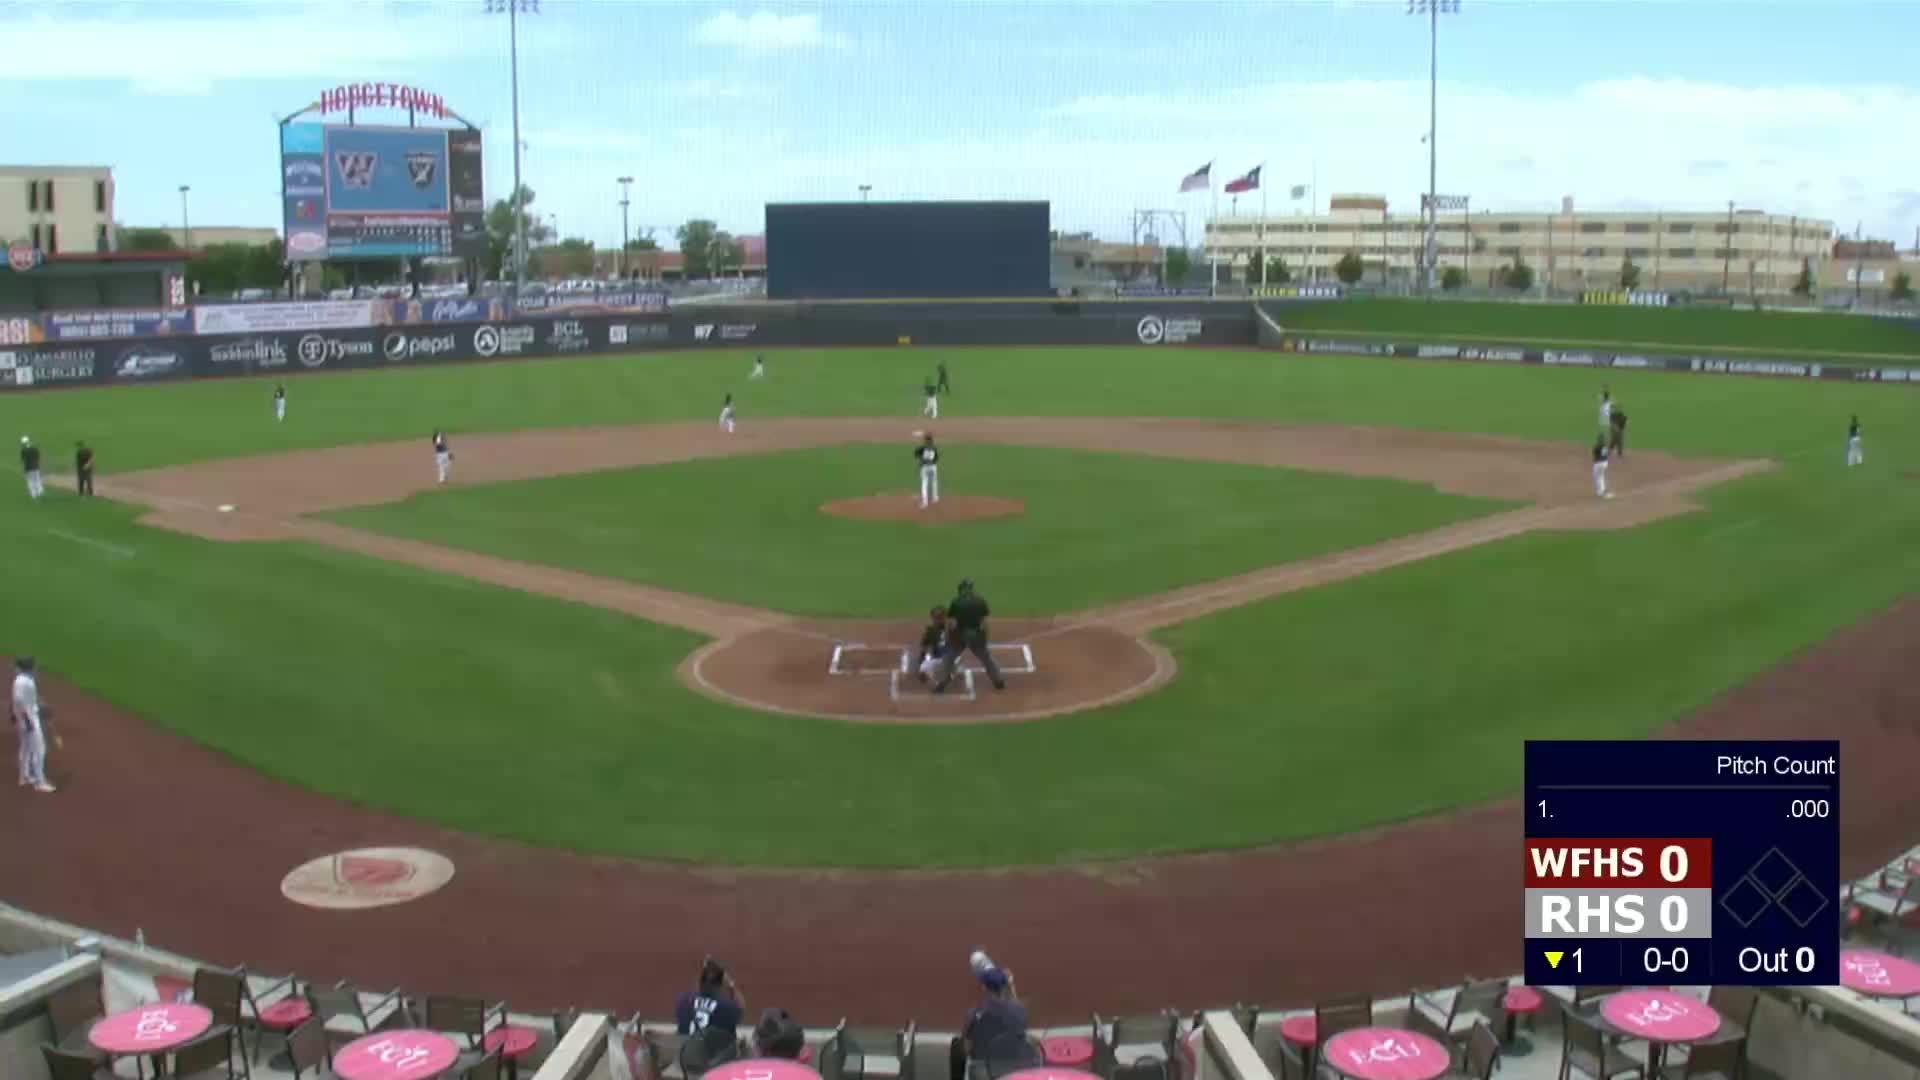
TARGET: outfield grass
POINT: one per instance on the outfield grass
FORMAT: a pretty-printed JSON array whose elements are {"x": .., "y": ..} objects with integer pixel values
[
  {"x": 1834, "y": 337},
  {"x": 1322, "y": 711},
  {"x": 749, "y": 529}
]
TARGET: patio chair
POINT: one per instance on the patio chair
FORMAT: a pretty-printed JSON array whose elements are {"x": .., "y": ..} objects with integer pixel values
[
  {"x": 275, "y": 1009},
  {"x": 1334, "y": 1015},
  {"x": 1584, "y": 1050},
  {"x": 868, "y": 1053},
  {"x": 1247, "y": 1016},
  {"x": 345, "y": 1014},
  {"x": 1718, "y": 1060},
  {"x": 1895, "y": 899},
  {"x": 468, "y": 1017},
  {"x": 663, "y": 1051},
  {"x": 487, "y": 1068},
  {"x": 207, "y": 1058},
  {"x": 706, "y": 1049},
  {"x": 224, "y": 993},
  {"x": 66, "y": 1065},
  {"x": 1009, "y": 1053},
  {"x": 1135, "y": 1045},
  {"x": 72, "y": 1010},
  {"x": 1474, "y": 1002},
  {"x": 307, "y": 1048},
  {"x": 1483, "y": 1052}
]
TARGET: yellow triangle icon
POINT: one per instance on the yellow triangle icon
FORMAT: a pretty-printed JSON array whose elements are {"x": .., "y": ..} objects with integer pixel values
[{"x": 1553, "y": 959}]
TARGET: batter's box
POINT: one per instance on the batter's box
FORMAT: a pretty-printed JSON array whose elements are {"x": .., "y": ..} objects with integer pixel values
[
  {"x": 854, "y": 658},
  {"x": 900, "y": 686},
  {"x": 1014, "y": 659}
]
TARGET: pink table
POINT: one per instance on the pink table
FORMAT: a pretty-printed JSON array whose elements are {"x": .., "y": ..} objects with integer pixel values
[
  {"x": 1067, "y": 1051},
  {"x": 1386, "y": 1054},
  {"x": 1878, "y": 973},
  {"x": 1049, "y": 1074},
  {"x": 405, "y": 1054},
  {"x": 1660, "y": 1017},
  {"x": 150, "y": 1029},
  {"x": 762, "y": 1069}
]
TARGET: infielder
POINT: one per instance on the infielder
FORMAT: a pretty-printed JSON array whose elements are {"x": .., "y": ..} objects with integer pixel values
[
  {"x": 30, "y": 464},
  {"x": 1617, "y": 434},
  {"x": 27, "y": 727},
  {"x": 1855, "y": 455},
  {"x": 1606, "y": 409},
  {"x": 969, "y": 613},
  {"x": 933, "y": 644},
  {"x": 931, "y": 410},
  {"x": 759, "y": 368},
  {"x": 442, "y": 456},
  {"x": 279, "y": 403},
  {"x": 726, "y": 415},
  {"x": 941, "y": 383},
  {"x": 928, "y": 455},
  {"x": 1600, "y": 468}
]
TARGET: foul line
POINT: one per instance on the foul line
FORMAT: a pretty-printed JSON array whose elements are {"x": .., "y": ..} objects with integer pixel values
[{"x": 116, "y": 550}]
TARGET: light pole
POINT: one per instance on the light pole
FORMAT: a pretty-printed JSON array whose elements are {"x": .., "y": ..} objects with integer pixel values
[
  {"x": 1432, "y": 9},
  {"x": 1726, "y": 267},
  {"x": 1859, "y": 263},
  {"x": 513, "y": 8},
  {"x": 186, "y": 229},
  {"x": 864, "y": 189},
  {"x": 626, "y": 185}
]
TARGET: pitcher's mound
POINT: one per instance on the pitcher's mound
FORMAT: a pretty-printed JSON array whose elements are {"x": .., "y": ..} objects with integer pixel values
[{"x": 906, "y": 507}]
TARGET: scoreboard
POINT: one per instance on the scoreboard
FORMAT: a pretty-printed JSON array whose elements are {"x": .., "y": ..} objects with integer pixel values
[{"x": 1671, "y": 862}]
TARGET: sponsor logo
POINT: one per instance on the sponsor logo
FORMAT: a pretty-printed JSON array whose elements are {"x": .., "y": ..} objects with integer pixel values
[
  {"x": 1755, "y": 367},
  {"x": 139, "y": 362},
  {"x": 458, "y": 311},
  {"x": 367, "y": 878},
  {"x": 703, "y": 332},
  {"x": 356, "y": 167},
  {"x": 22, "y": 256},
  {"x": 1511, "y": 356},
  {"x": 305, "y": 194},
  {"x": 1151, "y": 330},
  {"x": 422, "y": 166},
  {"x": 502, "y": 340},
  {"x": 1899, "y": 375},
  {"x": 258, "y": 352},
  {"x": 304, "y": 173},
  {"x": 637, "y": 333},
  {"x": 313, "y": 350},
  {"x": 1632, "y": 362},
  {"x": 736, "y": 333},
  {"x": 616, "y": 335},
  {"x": 1438, "y": 352},
  {"x": 307, "y": 242},
  {"x": 465, "y": 204},
  {"x": 406, "y": 347},
  {"x": 1180, "y": 331},
  {"x": 567, "y": 335},
  {"x": 1562, "y": 359},
  {"x": 7, "y": 361},
  {"x": 51, "y": 365}
]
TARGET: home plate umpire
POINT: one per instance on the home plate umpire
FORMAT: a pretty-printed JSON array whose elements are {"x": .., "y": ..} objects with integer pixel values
[{"x": 969, "y": 612}]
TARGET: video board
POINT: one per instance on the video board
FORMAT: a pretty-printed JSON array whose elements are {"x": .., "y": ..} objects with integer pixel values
[{"x": 353, "y": 191}]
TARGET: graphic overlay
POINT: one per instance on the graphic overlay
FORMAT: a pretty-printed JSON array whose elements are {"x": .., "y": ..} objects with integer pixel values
[{"x": 1659, "y": 863}]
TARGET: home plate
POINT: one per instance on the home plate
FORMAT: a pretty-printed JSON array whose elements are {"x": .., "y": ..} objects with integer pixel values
[{"x": 226, "y": 508}]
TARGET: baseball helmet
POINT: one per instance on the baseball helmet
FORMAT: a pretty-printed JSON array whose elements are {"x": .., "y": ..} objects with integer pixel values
[
  {"x": 965, "y": 586},
  {"x": 25, "y": 663},
  {"x": 937, "y": 611}
]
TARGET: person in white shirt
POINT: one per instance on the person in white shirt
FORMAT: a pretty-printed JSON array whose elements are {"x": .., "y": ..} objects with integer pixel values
[
  {"x": 1606, "y": 409},
  {"x": 27, "y": 727}
]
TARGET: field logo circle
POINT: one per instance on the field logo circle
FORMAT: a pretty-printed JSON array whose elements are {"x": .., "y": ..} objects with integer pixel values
[
  {"x": 1152, "y": 330},
  {"x": 367, "y": 878}
]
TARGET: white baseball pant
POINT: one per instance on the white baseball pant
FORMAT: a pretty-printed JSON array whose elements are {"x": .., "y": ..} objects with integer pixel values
[
  {"x": 1855, "y": 455},
  {"x": 33, "y": 754},
  {"x": 279, "y": 408},
  {"x": 443, "y": 461},
  {"x": 929, "y": 484},
  {"x": 1600, "y": 478},
  {"x": 726, "y": 419},
  {"x": 34, "y": 487},
  {"x": 932, "y": 408}
]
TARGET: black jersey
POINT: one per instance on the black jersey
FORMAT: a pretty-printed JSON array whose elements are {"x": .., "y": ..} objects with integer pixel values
[{"x": 927, "y": 454}]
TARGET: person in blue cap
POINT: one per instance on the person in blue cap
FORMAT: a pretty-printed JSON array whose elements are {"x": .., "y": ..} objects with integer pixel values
[{"x": 996, "y": 1028}]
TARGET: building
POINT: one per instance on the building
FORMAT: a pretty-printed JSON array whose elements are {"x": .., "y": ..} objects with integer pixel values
[
  {"x": 662, "y": 265},
  {"x": 206, "y": 236},
  {"x": 60, "y": 209},
  {"x": 1081, "y": 261},
  {"x": 1570, "y": 251}
]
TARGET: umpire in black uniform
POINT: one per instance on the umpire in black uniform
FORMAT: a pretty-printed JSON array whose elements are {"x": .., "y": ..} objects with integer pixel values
[
  {"x": 969, "y": 612},
  {"x": 83, "y": 467}
]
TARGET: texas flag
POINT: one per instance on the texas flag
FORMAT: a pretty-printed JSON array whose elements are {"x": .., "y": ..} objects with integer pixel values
[
  {"x": 1249, "y": 182},
  {"x": 1200, "y": 179}
]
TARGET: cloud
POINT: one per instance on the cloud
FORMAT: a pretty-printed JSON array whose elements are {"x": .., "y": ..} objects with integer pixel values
[
  {"x": 1709, "y": 167},
  {"x": 763, "y": 31}
]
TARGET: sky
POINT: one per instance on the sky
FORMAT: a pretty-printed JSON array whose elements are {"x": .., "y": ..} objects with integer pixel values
[{"x": 1099, "y": 107}]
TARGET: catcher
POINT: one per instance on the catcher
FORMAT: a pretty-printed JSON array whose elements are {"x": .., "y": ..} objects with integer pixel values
[{"x": 933, "y": 644}]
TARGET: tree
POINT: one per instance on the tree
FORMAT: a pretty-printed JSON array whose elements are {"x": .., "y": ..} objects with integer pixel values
[
  {"x": 500, "y": 233},
  {"x": 229, "y": 268},
  {"x": 642, "y": 243},
  {"x": 1518, "y": 276},
  {"x": 727, "y": 253},
  {"x": 696, "y": 248},
  {"x": 1629, "y": 274},
  {"x": 1803, "y": 285},
  {"x": 570, "y": 258},
  {"x": 1350, "y": 269},
  {"x": 147, "y": 240},
  {"x": 1278, "y": 272},
  {"x": 1452, "y": 277},
  {"x": 1902, "y": 286},
  {"x": 1179, "y": 265}
]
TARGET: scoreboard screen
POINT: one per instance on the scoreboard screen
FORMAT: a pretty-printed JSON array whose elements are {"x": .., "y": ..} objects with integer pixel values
[{"x": 1658, "y": 863}]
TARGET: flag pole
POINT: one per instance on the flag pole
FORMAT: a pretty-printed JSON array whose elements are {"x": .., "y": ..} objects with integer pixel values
[
  {"x": 1261, "y": 250},
  {"x": 1213, "y": 240}
]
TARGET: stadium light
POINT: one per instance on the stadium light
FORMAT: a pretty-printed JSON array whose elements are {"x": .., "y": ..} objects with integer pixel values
[
  {"x": 186, "y": 228},
  {"x": 513, "y": 8},
  {"x": 626, "y": 185},
  {"x": 864, "y": 189},
  {"x": 1433, "y": 9}
]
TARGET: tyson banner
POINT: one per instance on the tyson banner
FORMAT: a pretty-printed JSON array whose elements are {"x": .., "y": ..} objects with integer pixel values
[{"x": 274, "y": 318}]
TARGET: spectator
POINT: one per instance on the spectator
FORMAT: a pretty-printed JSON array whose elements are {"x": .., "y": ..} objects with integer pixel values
[
  {"x": 718, "y": 1002},
  {"x": 997, "y": 1027},
  {"x": 778, "y": 1036}
]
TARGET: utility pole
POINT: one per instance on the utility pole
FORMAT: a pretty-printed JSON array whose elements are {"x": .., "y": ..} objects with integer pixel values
[
  {"x": 1726, "y": 267},
  {"x": 1859, "y": 263},
  {"x": 626, "y": 185},
  {"x": 1432, "y": 9},
  {"x": 186, "y": 229},
  {"x": 513, "y": 8}
]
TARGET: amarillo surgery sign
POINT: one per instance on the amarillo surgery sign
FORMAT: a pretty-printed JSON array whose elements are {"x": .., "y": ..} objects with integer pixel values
[{"x": 391, "y": 95}]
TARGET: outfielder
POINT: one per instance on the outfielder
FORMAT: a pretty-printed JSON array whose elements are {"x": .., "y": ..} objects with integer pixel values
[
  {"x": 30, "y": 464},
  {"x": 279, "y": 403},
  {"x": 931, "y": 410},
  {"x": 759, "y": 368},
  {"x": 933, "y": 644},
  {"x": 442, "y": 455},
  {"x": 1855, "y": 455},
  {"x": 27, "y": 727},
  {"x": 969, "y": 613},
  {"x": 726, "y": 415},
  {"x": 1600, "y": 468},
  {"x": 928, "y": 455}
]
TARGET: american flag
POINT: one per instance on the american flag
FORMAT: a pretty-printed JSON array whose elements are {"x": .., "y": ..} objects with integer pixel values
[{"x": 1199, "y": 180}]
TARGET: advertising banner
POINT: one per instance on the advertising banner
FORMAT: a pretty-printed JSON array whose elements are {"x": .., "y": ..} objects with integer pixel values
[
  {"x": 626, "y": 301},
  {"x": 19, "y": 330},
  {"x": 462, "y": 309},
  {"x": 294, "y": 315},
  {"x": 53, "y": 365},
  {"x": 466, "y": 193},
  {"x": 114, "y": 323},
  {"x": 382, "y": 170}
]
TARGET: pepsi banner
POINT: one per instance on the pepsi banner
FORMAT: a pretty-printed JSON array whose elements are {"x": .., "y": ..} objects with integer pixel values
[{"x": 114, "y": 323}]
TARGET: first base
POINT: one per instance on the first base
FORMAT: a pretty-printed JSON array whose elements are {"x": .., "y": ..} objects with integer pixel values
[{"x": 226, "y": 508}]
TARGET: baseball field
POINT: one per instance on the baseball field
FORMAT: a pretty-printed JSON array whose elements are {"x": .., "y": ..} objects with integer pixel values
[{"x": 1258, "y": 598}]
